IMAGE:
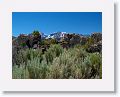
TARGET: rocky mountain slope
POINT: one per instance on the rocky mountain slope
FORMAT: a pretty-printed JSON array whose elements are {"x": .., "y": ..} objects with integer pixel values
[{"x": 93, "y": 42}]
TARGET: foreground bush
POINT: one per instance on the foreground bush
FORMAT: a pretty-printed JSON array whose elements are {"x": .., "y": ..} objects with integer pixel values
[
  {"x": 52, "y": 52},
  {"x": 20, "y": 72},
  {"x": 22, "y": 56},
  {"x": 59, "y": 63}
]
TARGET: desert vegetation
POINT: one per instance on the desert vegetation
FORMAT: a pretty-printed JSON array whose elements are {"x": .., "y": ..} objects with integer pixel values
[{"x": 71, "y": 57}]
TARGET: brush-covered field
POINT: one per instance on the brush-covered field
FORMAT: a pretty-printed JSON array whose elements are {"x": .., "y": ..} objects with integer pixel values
[{"x": 57, "y": 63}]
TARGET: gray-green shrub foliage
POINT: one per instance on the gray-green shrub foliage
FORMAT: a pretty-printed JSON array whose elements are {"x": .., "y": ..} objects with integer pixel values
[
  {"x": 52, "y": 52},
  {"x": 58, "y": 63},
  {"x": 20, "y": 72}
]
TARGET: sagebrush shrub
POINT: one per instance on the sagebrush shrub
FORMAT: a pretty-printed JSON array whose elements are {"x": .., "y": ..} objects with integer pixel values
[
  {"x": 92, "y": 65},
  {"x": 20, "y": 72},
  {"x": 52, "y": 52},
  {"x": 58, "y": 63},
  {"x": 24, "y": 55}
]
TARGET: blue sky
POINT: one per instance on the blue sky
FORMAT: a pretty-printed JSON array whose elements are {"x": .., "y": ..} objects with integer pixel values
[{"x": 49, "y": 22}]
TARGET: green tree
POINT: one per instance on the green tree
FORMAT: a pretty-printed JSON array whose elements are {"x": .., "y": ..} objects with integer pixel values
[{"x": 36, "y": 33}]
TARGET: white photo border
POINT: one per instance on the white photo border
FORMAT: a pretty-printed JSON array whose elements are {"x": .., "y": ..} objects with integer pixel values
[{"x": 104, "y": 84}]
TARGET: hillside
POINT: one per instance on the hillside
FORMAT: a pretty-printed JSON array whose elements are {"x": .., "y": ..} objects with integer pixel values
[{"x": 59, "y": 55}]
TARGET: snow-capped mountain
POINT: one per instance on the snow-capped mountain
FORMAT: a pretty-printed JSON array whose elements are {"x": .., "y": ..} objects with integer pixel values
[
  {"x": 56, "y": 35},
  {"x": 43, "y": 36}
]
